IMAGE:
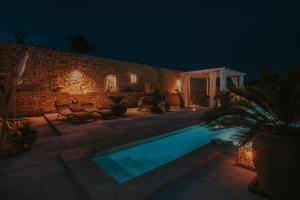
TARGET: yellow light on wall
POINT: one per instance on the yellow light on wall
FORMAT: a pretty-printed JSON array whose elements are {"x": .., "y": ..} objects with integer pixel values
[
  {"x": 76, "y": 81},
  {"x": 76, "y": 76},
  {"x": 178, "y": 85}
]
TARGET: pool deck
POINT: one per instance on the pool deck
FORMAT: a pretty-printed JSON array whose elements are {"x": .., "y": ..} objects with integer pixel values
[
  {"x": 219, "y": 178},
  {"x": 83, "y": 139},
  {"x": 44, "y": 172}
]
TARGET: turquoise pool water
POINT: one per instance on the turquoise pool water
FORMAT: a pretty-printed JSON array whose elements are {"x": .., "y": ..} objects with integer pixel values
[{"x": 126, "y": 164}]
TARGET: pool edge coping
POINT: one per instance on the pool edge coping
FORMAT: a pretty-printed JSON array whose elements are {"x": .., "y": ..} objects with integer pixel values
[{"x": 94, "y": 182}]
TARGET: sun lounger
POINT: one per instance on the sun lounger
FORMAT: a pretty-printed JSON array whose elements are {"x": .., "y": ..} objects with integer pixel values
[
  {"x": 64, "y": 110},
  {"x": 90, "y": 108}
]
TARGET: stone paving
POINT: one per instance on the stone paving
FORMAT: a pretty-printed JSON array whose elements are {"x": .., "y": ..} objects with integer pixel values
[
  {"x": 86, "y": 138},
  {"x": 220, "y": 178},
  {"x": 39, "y": 174},
  {"x": 96, "y": 184}
]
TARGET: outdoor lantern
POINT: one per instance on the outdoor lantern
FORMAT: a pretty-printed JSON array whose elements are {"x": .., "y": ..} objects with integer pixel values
[{"x": 245, "y": 156}]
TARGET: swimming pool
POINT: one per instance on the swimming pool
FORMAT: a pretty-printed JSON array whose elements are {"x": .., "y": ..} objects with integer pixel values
[{"x": 125, "y": 164}]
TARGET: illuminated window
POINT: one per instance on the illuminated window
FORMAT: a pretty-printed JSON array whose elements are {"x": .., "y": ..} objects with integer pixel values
[
  {"x": 111, "y": 82},
  {"x": 178, "y": 85},
  {"x": 133, "y": 78}
]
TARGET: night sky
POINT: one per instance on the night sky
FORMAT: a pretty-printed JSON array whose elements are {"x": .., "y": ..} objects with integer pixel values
[{"x": 183, "y": 35}]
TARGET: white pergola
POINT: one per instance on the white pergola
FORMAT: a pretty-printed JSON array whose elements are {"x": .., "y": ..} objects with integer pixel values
[{"x": 211, "y": 75}]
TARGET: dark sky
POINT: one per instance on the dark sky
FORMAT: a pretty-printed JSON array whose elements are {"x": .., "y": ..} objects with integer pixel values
[{"x": 184, "y": 35}]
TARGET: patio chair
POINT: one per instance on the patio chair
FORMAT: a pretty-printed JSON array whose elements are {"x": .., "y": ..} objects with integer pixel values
[
  {"x": 90, "y": 108},
  {"x": 64, "y": 110}
]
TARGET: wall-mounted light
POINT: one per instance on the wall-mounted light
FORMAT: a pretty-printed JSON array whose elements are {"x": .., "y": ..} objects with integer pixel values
[
  {"x": 178, "y": 85},
  {"x": 76, "y": 76},
  {"x": 76, "y": 80}
]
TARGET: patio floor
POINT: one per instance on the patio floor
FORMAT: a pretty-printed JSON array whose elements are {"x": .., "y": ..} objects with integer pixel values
[
  {"x": 39, "y": 174},
  {"x": 220, "y": 178},
  {"x": 103, "y": 134}
]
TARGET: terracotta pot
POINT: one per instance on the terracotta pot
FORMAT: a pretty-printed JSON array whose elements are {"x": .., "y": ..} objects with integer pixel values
[
  {"x": 118, "y": 109},
  {"x": 277, "y": 161}
]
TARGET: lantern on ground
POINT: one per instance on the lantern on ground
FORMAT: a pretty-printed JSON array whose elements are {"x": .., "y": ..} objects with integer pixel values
[{"x": 245, "y": 156}]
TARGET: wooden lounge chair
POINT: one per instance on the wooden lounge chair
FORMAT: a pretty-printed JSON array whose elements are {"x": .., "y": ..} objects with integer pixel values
[
  {"x": 64, "y": 110},
  {"x": 90, "y": 108}
]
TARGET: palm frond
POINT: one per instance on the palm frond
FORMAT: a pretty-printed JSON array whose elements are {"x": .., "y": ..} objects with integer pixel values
[
  {"x": 256, "y": 96},
  {"x": 273, "y": 104}
]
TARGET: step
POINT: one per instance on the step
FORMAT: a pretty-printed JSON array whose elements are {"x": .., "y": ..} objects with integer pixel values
[
  {"x": 114, "y": 169},
  {"x": 134, "y": 166}
]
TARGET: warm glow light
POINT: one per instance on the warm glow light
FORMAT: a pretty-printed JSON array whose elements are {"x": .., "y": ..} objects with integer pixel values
[
  {"x": 194, "y": 109},
  {"x": 76, "y": 76},
  {"x": 178, "y": 85},
  {"x": 133, "y": 78},
  {"x": 249, "y": 155},
  {"x": 245, "y": 156},
  {"x": 219, "y": 104},
  {"x": 111, "y": 82},
  {"x": 76, "y": 81}
]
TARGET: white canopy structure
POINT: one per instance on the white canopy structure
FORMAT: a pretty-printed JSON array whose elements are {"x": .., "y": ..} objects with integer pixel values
[{"x": 211, "y": 75}]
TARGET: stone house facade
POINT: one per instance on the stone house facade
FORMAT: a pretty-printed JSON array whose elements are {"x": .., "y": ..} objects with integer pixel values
[{"x": 53, "y": 75}]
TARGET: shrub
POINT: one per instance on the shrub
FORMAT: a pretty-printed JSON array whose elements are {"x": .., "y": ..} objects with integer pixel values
[
  {"x": 118, "y": 107},
  {"x": 167, "y": 106},
  {"x": 181, "y": 100}
]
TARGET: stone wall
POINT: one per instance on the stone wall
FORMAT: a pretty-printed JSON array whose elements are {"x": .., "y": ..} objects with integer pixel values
[
  {"x": 34, "y": 103},
  {"x": 49, "y": 72}
]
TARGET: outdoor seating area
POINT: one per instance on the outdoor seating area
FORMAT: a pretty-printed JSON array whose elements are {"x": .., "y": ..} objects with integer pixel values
[
  {"x": 21, "y": 175},
  {"x": 90, "y": 108},
  {"x": 64, "y": 110},
  {"x": 125, "y": 135},
  {"x": 88, "y": 123}
]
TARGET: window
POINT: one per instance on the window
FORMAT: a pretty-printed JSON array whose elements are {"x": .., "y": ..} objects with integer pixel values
[
  {"x": 133, "y": 78},
  {"x": 111, "y": 82}
]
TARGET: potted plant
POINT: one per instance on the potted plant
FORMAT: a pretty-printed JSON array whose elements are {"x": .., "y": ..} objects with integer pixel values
[
  {"x": 150, "y": 99},
  {"x": 147, "y": 95},
  {"x": 167, "y": 106},
  {"x": 180, "y": 97},
  {"x": 8, "y": 90},
  {"x": 269, "y": 112},
  {"x": 118, "y": 107},
  {"x": 155, "y": 103},
  {"x": 28, "y": 135}
]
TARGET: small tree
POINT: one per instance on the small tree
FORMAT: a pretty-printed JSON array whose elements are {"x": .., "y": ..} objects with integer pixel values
[
  {"x": 19, "y": 36},
  {"x": 267, "y": 114},
  {"x": 7, "y": 93},
  {"x": 79, "y": 44}
]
